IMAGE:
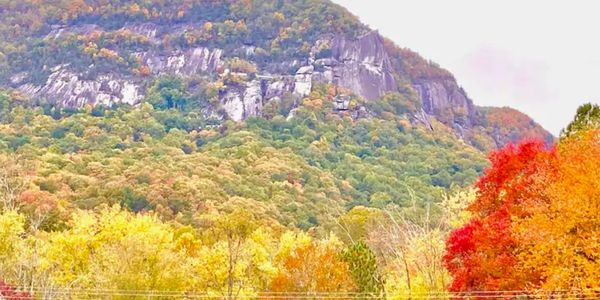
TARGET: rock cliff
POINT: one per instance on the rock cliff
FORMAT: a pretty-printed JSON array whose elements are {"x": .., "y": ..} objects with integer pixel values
[{"x": 361, "y": 64}]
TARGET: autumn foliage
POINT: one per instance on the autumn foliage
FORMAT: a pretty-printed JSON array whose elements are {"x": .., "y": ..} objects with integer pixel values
[
  {"x": 560, "y": 241},
  {"x": 308, "y": 266},
  {"x": 535, "y": 221},
  {"x": 9, "y": 292}
]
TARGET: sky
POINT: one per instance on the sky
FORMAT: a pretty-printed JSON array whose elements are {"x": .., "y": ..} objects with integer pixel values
[{"x": 541, "y": 57}]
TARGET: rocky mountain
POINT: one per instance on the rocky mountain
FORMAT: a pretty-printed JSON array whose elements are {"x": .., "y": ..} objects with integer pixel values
[{"x": 251, "y": 53}]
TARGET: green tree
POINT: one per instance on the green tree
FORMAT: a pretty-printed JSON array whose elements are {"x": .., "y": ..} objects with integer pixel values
[
  {"x": 168, "y": 92},
  {"x": 11, "y": 229},
  {"x": 4, "y": 105},
  {"x": 363, "y": 269},
  {"x": 587, "y": 117}
]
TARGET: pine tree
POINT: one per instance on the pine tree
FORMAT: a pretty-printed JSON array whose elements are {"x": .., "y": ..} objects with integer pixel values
[
  {"x": 587, "y": 117},
  {"x": 363, "y": 269}
]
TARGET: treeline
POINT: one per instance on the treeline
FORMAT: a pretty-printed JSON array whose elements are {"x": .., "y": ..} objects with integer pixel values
[
  {"x": 90, "y": 197},
  {"x": 110, "y": 251}
]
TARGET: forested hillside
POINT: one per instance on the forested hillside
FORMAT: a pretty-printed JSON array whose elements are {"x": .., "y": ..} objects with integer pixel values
[
  {"x": 261, "y": 149},
  {"x": 100, "y": 187}
]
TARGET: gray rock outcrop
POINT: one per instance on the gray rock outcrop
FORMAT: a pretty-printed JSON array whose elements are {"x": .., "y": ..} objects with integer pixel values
[
  {"x": 363, "y": 66},
  {"x": 73, "y": 91},
  {"x": 186, "y": 63},
  {"x": 440, "y": 97}
]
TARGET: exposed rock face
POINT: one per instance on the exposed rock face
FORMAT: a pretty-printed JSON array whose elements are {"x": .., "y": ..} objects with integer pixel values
[
  {"x": 278, "y": 88},
  {"x": 341, "y": 103},
  {"x": 424, "y": 118},
  {"x": 149, "y": 30},
  {"x": 72, "y": 91},
  {"x": 364, "y": 66},
  {"x": 66, "y": 88},
  {"x": 303, "y": 81},
  {"x": 61, "y": 31},
  {"x": 247, "y": 101},
  {"x": 191, "y": 62},
  {"x": 233, "y": 105},
  {"x": 361, "y": 65},
  {"x": 439, "y": 98}
]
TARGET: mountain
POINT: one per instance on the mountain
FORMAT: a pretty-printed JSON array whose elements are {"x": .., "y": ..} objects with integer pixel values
[
  {"x": 218, "y": 149},
  {"x": 72, "y": 54},
  {"x": 292, "y": 108}
]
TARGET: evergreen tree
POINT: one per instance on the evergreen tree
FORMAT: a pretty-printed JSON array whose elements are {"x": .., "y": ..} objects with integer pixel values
[
  {"x": 587, "y": 117},
  {"x": 363, "y": 269}
]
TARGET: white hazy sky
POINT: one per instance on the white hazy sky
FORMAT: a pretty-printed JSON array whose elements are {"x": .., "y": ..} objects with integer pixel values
[{"x": 541, "y": 57}]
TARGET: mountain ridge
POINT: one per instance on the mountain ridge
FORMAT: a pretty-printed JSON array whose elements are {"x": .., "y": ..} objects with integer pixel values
[{"x": 115, "y": 62}]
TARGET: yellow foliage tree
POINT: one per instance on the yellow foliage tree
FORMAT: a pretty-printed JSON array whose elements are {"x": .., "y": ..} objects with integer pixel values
[
  {"x": 11, "y": 228},
  {"x": 117, "y": 250},
  {"x": 236, "y": 263}
]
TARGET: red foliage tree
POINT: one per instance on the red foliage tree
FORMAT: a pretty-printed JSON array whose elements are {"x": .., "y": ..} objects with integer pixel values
[
  {"x": 481, "y": 255},
  {"x": 9, "y": 292}
]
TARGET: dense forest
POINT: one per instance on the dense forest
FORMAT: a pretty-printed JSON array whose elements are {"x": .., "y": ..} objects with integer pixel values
[
  {"x": 126, "y": 199},
  {"x": 259, "y": 199},
  {"x": 325, "y": 194}
]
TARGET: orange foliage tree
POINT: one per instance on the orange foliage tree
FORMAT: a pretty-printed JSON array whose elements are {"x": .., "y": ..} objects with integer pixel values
[
  {"x": 535, "y": 222},
  {"x": 560, "y": 240},
  {"x": 307, "y": 267}
]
